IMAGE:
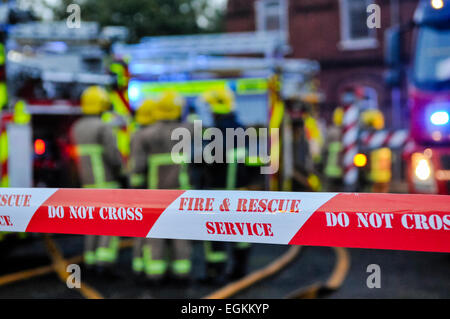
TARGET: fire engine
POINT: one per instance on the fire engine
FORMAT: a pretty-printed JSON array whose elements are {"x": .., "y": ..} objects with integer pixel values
[
  {"x": 428, "y": 166},
  {"x": 48, "y": 67}
]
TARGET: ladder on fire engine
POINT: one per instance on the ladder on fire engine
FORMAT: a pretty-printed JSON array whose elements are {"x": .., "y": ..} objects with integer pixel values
[
  {"x": 266, "y": 43},
  {"x": 213, "y": 52}
]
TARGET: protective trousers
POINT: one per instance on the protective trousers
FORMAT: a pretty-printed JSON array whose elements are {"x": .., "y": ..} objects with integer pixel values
[
  {"x": 155, "y": 257},
  {"x": 216, "y": 256},
  {"x": 101, "y": 250}
]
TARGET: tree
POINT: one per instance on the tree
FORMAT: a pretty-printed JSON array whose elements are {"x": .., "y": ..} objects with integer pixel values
[{"x": 150, "y": 17}]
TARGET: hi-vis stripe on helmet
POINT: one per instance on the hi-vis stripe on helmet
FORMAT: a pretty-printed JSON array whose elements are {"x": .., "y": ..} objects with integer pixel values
[{"x": 381, "y": 221}]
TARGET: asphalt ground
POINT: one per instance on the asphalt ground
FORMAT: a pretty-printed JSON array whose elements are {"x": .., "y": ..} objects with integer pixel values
[{"x": 403, "y": 274}]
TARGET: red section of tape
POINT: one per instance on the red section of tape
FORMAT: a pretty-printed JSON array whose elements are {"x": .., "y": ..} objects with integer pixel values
[
  {"x": 110, "y": 222},
  {"x": 412, "y": 226}
]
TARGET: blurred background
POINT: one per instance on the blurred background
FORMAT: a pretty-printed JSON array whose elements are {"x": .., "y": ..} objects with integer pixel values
[{"x": 359, "y": 89}]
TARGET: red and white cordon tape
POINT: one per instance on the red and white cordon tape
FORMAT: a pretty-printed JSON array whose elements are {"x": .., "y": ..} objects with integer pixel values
[
  {"x": 381, "y": 221},
  {"x": 350, "y": 143},
  {"x": 392, "y": 139},
  {"x": 397, "y": 140}
]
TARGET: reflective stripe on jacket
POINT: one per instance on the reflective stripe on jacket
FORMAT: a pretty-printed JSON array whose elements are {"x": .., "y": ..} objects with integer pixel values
[
  {"x": 151, "y": 163},
  {"x": 100, "y": 162}
]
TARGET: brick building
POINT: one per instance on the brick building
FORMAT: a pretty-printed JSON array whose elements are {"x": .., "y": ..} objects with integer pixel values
[{"x": 333, "y": 32}]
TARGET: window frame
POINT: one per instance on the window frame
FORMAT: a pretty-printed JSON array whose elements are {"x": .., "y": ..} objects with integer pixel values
[
  {"x": 262, "y": 15},
  {"x": 349, "y": 43}
]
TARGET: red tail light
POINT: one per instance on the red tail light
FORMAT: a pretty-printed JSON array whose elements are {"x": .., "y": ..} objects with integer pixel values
[{"x": 39, "y": 147}]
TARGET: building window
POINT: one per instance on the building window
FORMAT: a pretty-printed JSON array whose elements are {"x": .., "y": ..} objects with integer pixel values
[
  {"x": 272, "y": 15},
  {"x": 355, "y": 34}
]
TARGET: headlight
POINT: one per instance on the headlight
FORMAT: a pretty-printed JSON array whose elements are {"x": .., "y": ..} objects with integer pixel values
[
  {"x": 439, "y": 118},
  {"x": 423, "y": 170},
  {"x": 423, "y": 173}
]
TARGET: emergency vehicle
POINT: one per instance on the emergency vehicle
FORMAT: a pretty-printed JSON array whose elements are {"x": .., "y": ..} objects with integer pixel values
[
  {"x": 48, "y": 67},
  {"x": 429, "y": 95}
]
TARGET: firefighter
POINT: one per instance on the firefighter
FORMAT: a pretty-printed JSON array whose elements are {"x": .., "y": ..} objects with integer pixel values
[
  {"x": 144, "y": 118},
  {"x": 333, "y": 168},
  {"x": 305, "y": 131},
  {"x": 225, "y": 175},
  {"x": 153, "y": 167},
  {"x": 99, "y": 166}
]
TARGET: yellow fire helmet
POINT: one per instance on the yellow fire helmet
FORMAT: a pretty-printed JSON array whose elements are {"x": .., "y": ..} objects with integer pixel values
[
  {"x": 145, "y": 113},
  {"x": 94, "y": 100},
  {"x": 220, "y": 101},
  {"x": 373, "y": 119},
  {"x": 169, "y": 107},
  {"x": 338, "y": 116}
]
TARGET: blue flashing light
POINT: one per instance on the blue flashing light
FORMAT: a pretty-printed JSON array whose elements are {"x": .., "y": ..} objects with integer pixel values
[
  {"x": 133, "y": 91},
  {"x": 439, "y": 118}
]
